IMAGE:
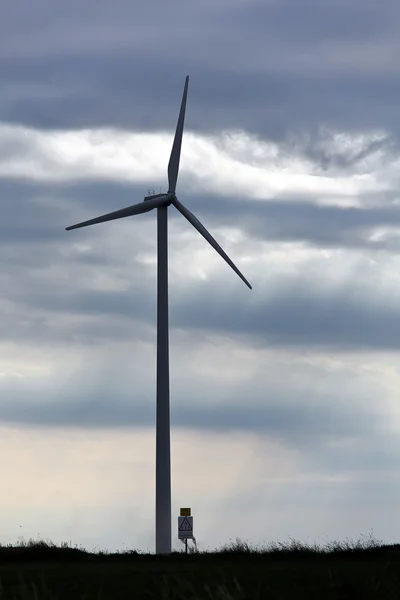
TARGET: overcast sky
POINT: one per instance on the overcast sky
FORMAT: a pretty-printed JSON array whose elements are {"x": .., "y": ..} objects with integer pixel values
[{"x": 284, "y": 399}]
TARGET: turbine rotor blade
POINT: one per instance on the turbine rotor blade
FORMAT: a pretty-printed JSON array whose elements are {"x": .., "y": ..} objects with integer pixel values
[
  {"x": 203, "y": 231},
  {"x": 129, "y": 211},
  {"x": 173, "y": 165}
]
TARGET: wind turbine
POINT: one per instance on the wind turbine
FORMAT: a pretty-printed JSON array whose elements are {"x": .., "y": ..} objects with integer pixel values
[{"x": 161, "y": 203}]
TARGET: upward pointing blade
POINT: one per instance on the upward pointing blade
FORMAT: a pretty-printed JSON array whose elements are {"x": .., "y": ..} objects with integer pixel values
[
  {"x": 173, "y": 165},
  {"x": 203, "y": 231},
  {"x": 135, "y": 209}
]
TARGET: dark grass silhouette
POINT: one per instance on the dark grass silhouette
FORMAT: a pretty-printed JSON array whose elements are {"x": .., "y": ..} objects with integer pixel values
[{"x": 364, "y": 569}]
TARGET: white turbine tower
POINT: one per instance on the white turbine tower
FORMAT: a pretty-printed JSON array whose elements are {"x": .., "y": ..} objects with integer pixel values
[{"x": 161, "y": 203}]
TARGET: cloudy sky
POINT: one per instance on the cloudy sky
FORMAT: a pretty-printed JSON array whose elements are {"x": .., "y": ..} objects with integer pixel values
[{"x": 284, "y": 399}]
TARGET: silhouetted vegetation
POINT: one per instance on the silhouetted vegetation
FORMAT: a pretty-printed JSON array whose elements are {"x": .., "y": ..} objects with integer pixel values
[{"x": 365, "y": 569}]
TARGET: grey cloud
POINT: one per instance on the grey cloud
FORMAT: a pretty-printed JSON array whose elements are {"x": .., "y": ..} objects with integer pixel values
[
  {"x": 341, "y": 161},
  {"x": 289, "y": 400},
  {"x": 244, "y": 76},
  {"x": 115, "y": 91},
  {"x": 329, "y": 418},
  {"x": 282, "y": 310},
  {"x": 29, "y": 213},
  {"x": 299, "y": 219},
  {"x": 294, "y": 313},
  {"x": 24, "y": 217},
  {"x": 305, "y": 23},
  {"x": 298, "y": 312},
  {"x": 37, "y": 214},
  {"x": 281, "y": 419}
]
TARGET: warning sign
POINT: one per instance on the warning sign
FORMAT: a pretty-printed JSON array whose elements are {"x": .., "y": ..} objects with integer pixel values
[{"x": 185, "y": 527}]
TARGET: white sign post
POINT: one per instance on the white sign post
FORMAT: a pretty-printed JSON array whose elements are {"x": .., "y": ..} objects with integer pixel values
[{"x": 185, "y": 529}]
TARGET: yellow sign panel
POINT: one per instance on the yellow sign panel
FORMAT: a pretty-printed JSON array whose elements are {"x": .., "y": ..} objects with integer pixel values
[{"x": 185, "y": 512}]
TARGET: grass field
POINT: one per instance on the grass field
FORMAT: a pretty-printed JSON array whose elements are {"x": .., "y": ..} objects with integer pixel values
[{"x": 360, "y": 570}]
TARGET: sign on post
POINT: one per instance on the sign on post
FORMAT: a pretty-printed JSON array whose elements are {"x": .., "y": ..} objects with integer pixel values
[
  {"x": 185, "y": 527},
  {"x": 185, "y": 512}
]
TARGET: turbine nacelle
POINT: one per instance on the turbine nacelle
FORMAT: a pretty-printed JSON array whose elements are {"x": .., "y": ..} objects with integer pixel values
[{"x": 167, "y": 197}]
